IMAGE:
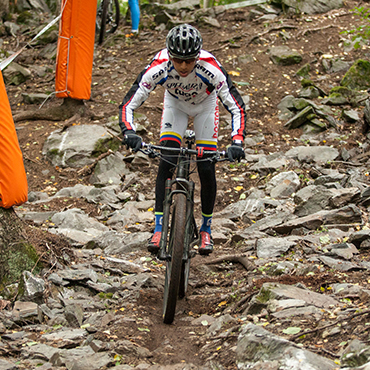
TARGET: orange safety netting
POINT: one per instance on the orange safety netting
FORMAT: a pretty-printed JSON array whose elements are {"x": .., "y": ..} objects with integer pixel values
[{"x": 75, "y": 49}]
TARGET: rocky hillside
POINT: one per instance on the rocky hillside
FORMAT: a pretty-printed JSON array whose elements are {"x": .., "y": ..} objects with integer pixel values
[{"x": 287, "y": 284}]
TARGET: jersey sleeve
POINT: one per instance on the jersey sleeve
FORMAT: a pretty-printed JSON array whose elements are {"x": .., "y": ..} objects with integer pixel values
[
  {"x": 234, "y": 104},
  {"x": 144, "y": 84}
]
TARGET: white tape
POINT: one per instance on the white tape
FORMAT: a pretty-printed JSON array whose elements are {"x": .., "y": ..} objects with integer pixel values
[{"x": 8, "y": 60}]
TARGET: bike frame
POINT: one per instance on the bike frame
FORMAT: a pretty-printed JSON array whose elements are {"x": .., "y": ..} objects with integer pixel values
[{"x": 181, "y": 184}]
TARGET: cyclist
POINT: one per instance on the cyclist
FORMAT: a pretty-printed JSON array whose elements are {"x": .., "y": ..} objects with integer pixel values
[{"x": 193, "y": 80}]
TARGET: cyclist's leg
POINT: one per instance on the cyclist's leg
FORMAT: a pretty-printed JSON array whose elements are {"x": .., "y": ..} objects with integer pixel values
[
  {"x": 206, "y": 125},
  {"x": 173, "y": 126},
  {"x": 135, "y": 15}
]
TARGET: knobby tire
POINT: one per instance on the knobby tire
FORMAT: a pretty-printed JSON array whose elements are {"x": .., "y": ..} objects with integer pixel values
[
  {"x": 174, "y": 265},
  {"x": 185, "y": 269},
  {"x": 113, "y": 22},
  {"x": 103, "y": 24}
]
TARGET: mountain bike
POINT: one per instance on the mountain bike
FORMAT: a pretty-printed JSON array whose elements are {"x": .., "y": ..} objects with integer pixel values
[
  {"x": 179, "y": 229},
  {"x": 107, "y": 18}
]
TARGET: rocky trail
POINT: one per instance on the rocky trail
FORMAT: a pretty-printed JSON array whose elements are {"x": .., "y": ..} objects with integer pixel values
[{"x": 287, "y": 284}]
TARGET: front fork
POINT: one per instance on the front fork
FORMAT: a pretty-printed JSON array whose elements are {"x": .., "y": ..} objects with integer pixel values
[{"x": 188, "y": 190}]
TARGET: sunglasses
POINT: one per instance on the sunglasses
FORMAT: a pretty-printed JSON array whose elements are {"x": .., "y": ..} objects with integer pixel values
[{"x": 187, "y": 61}]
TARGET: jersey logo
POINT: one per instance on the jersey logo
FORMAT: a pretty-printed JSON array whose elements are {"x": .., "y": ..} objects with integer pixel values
[{"x": 147, "y": 85}]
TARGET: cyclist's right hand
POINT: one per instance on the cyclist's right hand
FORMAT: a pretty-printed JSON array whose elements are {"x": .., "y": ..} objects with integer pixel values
[{"x": 132, "y": 140}]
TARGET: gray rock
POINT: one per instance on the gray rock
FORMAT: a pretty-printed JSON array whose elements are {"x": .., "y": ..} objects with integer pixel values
[
  {"x": 350, "y": 116},
  {"x": 283, "y": 55},
  {"x": 77, "y": 226},
  {"x": 348, "y": 215},
  {"x": 359, "y": 236},
  {"x": 270, "y": 163},
  {"x": 311, "y": 6},
  {"x": 15, "y": 74},
  {"x": 125, "y": 347},
  {"x": 34, "y": 98},
  {"x": 68, "y": 335},
  {"x": 273, "y": 247},
  {"x": 335, "y": 65},
  {"x": 343, "y": 250},
  {"x": 40, "y": 351},
  {"x": 333, "y": 177},
  {"x": 74, "y": 276},
  {"x": 74, "y": 314},
  {"x": 318, "y": 154},
  {"x": 26, "y": 311},
  {"x": 299, "y": 311},
  {"x": 131, "y": 242},
  {"x": 342, "y": 197},
  {"x": 67, "y": 357},
  {"x": 340, "y": 264},
  {"x": 77, "y": 145},
  {"x": 77, "y": 191},
  {"x": 109, "y": 171},
  {"x": 311, "y": 199},
  {"x": 34, "y": 287},
  {"x": 6, "y": 365},
  {"x": 256, "y": 346},
  {"x": 300, "y": 118},
  {"x": 37, "y": 217},
  {"x": 218, "y": 324},
  {"x": 355, "y": 354},
  {"x": 95, "y": 361}
]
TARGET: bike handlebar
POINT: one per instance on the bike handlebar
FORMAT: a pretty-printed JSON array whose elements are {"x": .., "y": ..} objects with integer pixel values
[{"x": 215, "y": 155}]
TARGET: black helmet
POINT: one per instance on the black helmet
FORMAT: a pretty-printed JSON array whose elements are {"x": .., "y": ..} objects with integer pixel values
[{"x": 184, "y": 42}]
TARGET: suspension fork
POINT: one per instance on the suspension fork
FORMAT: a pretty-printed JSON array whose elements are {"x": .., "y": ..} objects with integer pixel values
[{"x": 189, "y": 220}]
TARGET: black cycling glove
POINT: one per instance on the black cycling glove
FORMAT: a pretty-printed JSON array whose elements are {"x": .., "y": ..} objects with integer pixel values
[
  {"x": 235, "y": 152},
  {"x": 132, "y": 140}
]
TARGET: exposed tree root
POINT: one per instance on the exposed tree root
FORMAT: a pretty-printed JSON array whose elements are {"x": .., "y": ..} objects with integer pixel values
[
  {"x": 66, "y": 110},
  {"x": 244, "y": 261}
]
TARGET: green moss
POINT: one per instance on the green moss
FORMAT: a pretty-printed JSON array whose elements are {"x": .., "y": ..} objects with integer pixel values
[
  {"x": 306, "y": 82},
  {"x": 102, "y": 295},
  {"x": 24, "y": 17},
  {"x": 358, "y": 76},
  {"x": 304, "y": 71},
  {"x": 264, "y": 295},
  {"x": 342, "y": 90},
  {"x": 103, "y": 145},
  {"x": 54, "y": 152},
  {"x": 22, "y": 258}
]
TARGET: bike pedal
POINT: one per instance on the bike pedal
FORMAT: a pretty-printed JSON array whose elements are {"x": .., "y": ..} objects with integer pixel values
[
  {"x": 162, "y": 256},
  {"x": 192, "y": 253}
]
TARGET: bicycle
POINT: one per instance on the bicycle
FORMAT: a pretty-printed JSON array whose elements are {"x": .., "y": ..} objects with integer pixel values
[
  {"x": 179, "y": 229},
  {"x": 107, "y": 18}
]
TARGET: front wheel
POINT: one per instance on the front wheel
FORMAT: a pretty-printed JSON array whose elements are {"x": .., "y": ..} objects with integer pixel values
[{"x": 174, "y": 265}]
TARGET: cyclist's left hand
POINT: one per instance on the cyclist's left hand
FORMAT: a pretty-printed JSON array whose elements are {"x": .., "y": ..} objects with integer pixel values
[
  {"x": 235, "y": 152},
  {"x": 131, "y": 140}
]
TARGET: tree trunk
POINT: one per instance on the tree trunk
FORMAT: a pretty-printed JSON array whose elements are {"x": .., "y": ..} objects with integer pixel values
[{"x": 16, "y": 254}]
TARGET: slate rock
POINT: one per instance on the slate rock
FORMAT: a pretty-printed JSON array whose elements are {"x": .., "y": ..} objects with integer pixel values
[
  {"x": 273, "y": 247},
  {"x": 258, "y": 346},
  {"x": 309, "y": 154},
  {"x": 284, "y": 56}
]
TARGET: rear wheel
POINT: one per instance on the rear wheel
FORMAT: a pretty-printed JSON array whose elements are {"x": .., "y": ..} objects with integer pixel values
[
  {"x": 174, "y": 265},
  {"x": 107, "y": 18}
]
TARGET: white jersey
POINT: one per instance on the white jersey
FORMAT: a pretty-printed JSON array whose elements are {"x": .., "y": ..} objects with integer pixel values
[{"x": 207, "y": 76}]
